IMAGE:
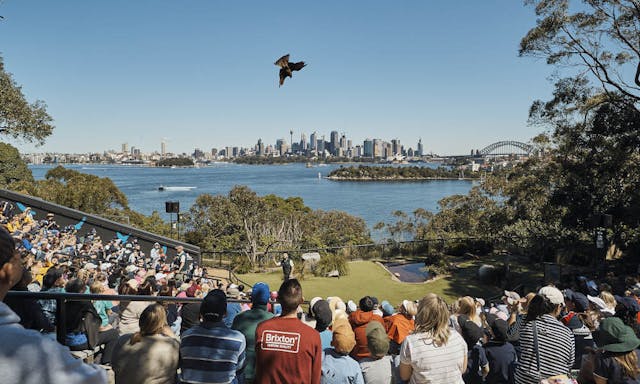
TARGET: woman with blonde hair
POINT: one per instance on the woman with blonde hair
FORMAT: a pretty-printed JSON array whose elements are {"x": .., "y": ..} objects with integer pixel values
[
  {"x": 433, "y": 353},
  {"x": 616, "y": 361},
  {"x": 150, "y": 355}
]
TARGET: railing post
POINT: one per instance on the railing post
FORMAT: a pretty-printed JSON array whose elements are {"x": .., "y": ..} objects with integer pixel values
[{"x": 61, "y": 321}]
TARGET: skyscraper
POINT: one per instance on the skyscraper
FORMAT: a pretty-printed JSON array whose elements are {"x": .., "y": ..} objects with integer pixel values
[
  {"x": 420, "y": 150},
  {"x": 125, "y": 148},
  {"x": 368, "y": 148},
  {"x": 395, "y": 147},
  {"x": 313, "y": 141},
  {"x": 334, "y": 143},
  {"x": 303, "y": 142},
  {"x": 163, "y": 148}
]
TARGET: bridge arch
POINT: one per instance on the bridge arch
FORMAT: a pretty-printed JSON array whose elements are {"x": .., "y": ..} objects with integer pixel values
[{"x": 509, "y": 147}]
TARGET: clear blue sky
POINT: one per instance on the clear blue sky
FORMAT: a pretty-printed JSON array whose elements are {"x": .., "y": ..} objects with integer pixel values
[{"x": 201, "y": 74}]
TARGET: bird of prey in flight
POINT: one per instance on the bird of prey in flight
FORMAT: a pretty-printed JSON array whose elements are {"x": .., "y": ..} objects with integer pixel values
[{"x": 287, "y": 68}]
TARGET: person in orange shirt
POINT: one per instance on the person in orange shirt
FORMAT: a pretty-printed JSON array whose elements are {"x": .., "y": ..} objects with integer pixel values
[
  {"x": 399, "y": 325},
  {"x": 359, "y": 321}
]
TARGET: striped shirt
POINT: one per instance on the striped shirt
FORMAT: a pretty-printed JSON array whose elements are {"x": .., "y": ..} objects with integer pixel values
[
  {"x": 211, "y": 353},
  {"x": 556, "y": 348},
  {"x": 433, "y": 364}
]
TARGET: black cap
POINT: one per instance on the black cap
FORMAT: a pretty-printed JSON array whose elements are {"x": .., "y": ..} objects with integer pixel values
[{"x": 214, "y": 306}]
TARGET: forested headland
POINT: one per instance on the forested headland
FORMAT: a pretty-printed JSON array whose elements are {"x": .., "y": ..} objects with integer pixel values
[{"x": 387, "y": 173}]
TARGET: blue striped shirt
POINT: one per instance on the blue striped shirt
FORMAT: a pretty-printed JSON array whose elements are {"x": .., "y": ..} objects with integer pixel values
[{"x": 211, "y": 353}]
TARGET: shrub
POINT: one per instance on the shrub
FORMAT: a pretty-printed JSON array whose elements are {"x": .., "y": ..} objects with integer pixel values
[{"x": 331, "y": 262}]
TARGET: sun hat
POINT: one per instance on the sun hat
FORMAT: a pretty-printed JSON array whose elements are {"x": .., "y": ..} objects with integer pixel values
[
  {"x": 614, "y": 336},
  {"x": 600, "y": 304},
  {"x": 552, "y": 294},
  {"x": 512, "y": 297},
  {"x": 351, "y": 306},
  {"x": 343, "y": 339},
  {"x": 233, "y": 293},
  {"x": 377, "y": 339}
]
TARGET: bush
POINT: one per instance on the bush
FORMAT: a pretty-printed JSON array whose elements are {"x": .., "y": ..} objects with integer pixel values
[{"x": 331, "y": 262}]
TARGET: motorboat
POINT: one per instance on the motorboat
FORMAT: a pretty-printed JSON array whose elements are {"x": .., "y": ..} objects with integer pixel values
[{"x": 175, "y": 188}]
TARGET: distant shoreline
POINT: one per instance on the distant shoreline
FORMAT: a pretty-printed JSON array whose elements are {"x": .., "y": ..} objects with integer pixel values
[{"x": 337, "y": 178}]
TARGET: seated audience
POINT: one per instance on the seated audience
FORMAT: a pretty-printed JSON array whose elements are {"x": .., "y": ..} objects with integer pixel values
[
  {"x": 150, "y": 355},
  {"x": 433, "y": 353},
  {"x": 337, "y": 365},
  {"x": 83, "y": 325},
  {"x": 377, "y": 369},
  {"x": 210, "y": 352}
]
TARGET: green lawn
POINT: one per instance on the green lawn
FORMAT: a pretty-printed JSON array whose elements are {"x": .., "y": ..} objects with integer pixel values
[{"x": 369, "y": 278}]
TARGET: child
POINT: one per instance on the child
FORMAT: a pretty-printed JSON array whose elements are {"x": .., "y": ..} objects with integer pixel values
[
  {"x": 500, "y": 354},
  {"x": 337, "y": 365},
  {"x": 377, "y": 369}
]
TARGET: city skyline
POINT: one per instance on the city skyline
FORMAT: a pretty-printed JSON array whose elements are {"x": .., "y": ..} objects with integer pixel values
[{"x": 203, "y": 72}]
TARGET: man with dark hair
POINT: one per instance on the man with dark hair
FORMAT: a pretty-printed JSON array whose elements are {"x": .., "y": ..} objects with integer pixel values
[
  {"x": 287, "y": 266},
  {"x": 210, "y": 352},
  {"x": 287, "y": 350},
  {"x": 359, "y": 321},
  {"x": 25, "y": 355}
]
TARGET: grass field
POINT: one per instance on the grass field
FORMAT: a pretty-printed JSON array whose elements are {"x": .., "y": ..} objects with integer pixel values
[{"x": 369, "y": 278}]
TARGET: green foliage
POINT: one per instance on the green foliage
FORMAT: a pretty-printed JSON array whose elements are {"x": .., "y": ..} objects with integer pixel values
[
  {"x": 12, "y": 168},
  {"x": 332, "y": 262},
  {"x": 18, "y": 118},
  {"x": 599, "y": 36},
  {"x": 256, "y": 225},
  {"x": 81, "y": 191},
  {"x": 388, "y": 173},
  {"x": 175, "y": 162}
]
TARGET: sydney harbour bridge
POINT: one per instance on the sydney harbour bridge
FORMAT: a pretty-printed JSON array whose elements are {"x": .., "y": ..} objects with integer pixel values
[{"x": 504, "y": 148}]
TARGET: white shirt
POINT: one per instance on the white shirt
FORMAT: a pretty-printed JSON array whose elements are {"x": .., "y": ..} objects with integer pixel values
[{"x": 432, "y": 364}]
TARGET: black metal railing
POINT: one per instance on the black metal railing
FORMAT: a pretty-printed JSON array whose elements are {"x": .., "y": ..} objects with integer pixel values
[{"x": 62, "y": 298}]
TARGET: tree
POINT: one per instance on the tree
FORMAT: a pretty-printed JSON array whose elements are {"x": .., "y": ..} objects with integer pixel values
[
  {"x": 12, "y": 168},
  {"x": 19, "y": 118},
  {"x": 81, "y": 191},
  {"x": 601, "y": 36}
]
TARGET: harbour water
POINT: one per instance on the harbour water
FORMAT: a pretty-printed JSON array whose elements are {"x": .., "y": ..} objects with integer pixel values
[{"x": 373, "y": 201}]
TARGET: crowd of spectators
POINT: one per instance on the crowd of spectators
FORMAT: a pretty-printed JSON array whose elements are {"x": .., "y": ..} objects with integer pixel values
[{"x": 581, "y": 329}]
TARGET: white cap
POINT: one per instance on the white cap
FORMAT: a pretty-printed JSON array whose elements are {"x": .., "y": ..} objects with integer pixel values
[{"x": 552, "y": 293}]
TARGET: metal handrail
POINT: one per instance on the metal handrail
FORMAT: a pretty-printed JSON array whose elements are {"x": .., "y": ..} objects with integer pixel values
[{"x": 61, "y": 299}]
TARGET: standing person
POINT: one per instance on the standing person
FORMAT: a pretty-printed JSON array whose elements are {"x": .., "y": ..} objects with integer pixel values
[
  {"x": 547, "y": 346},
  {"x": 246, "y": 322},
  {"x": 287, "y": 350},
  {"x": 210, "y": 352},
  {"x": 287, "y": 266},
  {"x": 434, "y": 353},
  {"x": 149, "y": 356}
]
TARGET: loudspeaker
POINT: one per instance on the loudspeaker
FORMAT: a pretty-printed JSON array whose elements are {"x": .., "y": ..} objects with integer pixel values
[{"x": 172, "y": 206}]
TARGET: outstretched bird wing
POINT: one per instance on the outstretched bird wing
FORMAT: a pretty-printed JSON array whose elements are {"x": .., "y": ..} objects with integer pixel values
[
  {"x": 284, "y": 73},
  {"x": 297, "y": 66},
  {"x": 283, "y": 61}
]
